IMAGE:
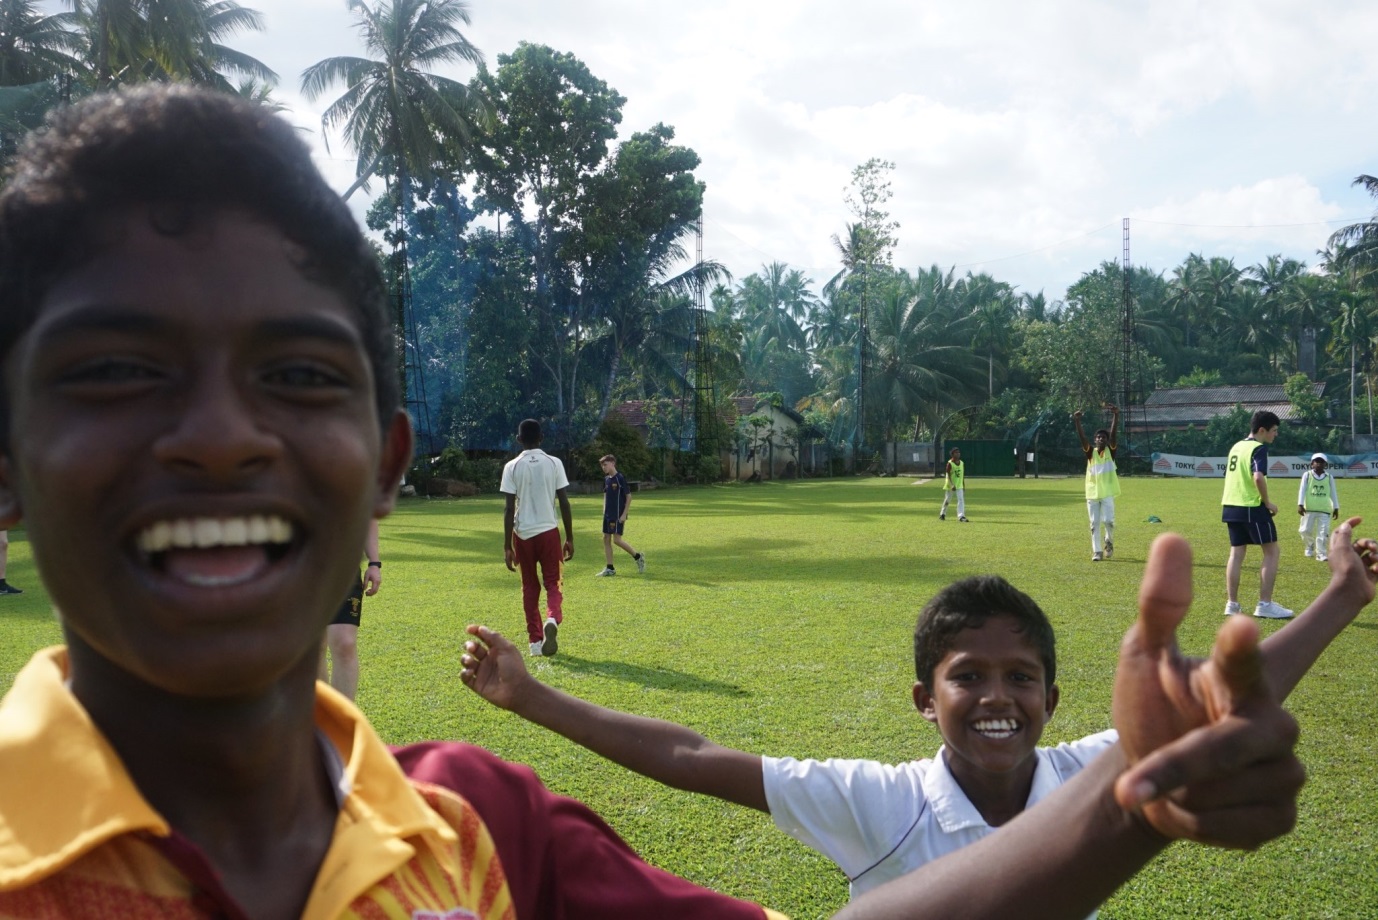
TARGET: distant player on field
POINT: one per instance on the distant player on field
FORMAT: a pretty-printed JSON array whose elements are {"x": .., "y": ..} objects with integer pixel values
[
  {"x": 954, "y": 480},
  {"x": 1102, "y": 483},
  {"x": 617, "y": 501},
  {"x": 1248, "y": 514},
  {"x": 1318, "y": 504},
  {"x": 532, "y": 482}
]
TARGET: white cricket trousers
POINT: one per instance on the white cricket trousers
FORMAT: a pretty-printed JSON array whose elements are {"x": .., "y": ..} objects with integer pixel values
[
  {"x": 1315, "y": 532},
  {"x": 961, "y": 501},
  {"x": 1102, "y": 512}
]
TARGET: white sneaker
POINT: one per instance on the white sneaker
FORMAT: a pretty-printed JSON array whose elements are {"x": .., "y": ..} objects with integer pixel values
[
  {"x": 1307, "y": 553},
  {"x": 641, "y": 562},
  {"x": 1109, "y": 549},
  {"x": 1269, "y": 610},
  {"x": 536, "y": 649},
  {"x": 1322, "y": 557},
  {"x": 606, "y": 573},
  {"x": 1232, "y": 608},
  {"x": 551, "y": 645},
  {"x": 1095, "y": 557}
]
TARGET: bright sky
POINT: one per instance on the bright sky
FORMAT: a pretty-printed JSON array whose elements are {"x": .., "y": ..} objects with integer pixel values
[{"x": 1021, "y": 132}]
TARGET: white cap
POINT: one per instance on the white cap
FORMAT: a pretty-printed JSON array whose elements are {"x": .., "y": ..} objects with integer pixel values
[{"x": 1320, "y": 456}]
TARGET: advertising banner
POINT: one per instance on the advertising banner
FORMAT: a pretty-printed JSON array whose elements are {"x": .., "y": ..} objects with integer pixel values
[{"x": 1341, "y": 466}]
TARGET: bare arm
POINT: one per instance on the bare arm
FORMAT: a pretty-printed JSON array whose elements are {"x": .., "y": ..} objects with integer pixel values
[
  {"x": 1291, "y": 651},
  {"x": 373, "y": 574},
  {"x": 1114, "y": 427},
  {"x": 1081, "y": 435},
  {"x": 568, "y": 517},
  {"x": 1261, "y": 481},
  {"x": 509, "y": 513},
  {"x": 664, "y": 751}
]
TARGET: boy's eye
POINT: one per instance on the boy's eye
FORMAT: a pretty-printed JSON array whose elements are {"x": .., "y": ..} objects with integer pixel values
[
  {"x": 111, "y": 371},
  {"x": 308, "y": 375}
]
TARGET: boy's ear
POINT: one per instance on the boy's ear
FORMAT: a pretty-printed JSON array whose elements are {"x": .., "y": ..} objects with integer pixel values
[
  {"x": 923, "y": 702},
  {"x": 1050, "y": 703},
  {"x": 10, "y": 512},
  {"x": 396, "y": 457}
]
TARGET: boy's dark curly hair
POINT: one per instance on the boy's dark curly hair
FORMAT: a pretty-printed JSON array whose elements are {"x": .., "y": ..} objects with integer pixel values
[
  {"x": 184, "y": 153},
  {"x": 967, "y": 604}
]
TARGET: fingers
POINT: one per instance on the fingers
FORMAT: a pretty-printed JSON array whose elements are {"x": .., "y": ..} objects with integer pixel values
[
  {"x": 1237, "y": 659},
  {"x": 1223, "y": 751},
  {"x": 1165, "y": 592}
]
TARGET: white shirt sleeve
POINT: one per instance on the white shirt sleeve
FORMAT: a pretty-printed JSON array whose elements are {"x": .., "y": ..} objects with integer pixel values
[
  {"x": 561, "y": 480},
  {"x": 1334, "y": 496},
  {"x": 1301, "y": 492},
  {"x": 507, "y": 485},
  {"x": 851, "y": 811}
]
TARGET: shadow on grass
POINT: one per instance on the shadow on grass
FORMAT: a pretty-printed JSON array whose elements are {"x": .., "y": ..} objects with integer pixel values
[{"x": 659, "y": 678}]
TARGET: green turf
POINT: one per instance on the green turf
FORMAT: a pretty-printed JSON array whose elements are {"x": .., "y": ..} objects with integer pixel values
[{"x": 777, "y": 618}]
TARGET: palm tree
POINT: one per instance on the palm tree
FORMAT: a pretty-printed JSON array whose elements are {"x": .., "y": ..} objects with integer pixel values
[
  {"x": 990, "y": 311},
  {"x": 34, "y": 48},
  {"x": 1357, "y": 244},
  {"x": 918, "y": 364},
  {"x": 130, "y": 41},
  {"x": 394, "y": 110}
]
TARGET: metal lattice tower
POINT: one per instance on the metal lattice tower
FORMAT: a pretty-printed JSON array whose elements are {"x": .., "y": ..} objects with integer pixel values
[
  {"x": 413, "y": 368},
  {"x": 704, "y": 432},
  {"x": 1127, "y": 330}
]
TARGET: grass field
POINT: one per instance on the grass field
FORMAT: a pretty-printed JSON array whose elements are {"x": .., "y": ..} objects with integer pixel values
[{"x": 777, "y": 618}]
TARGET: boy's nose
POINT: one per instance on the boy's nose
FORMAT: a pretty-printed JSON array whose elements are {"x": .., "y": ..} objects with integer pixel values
[{"x": 217, "y": 434}]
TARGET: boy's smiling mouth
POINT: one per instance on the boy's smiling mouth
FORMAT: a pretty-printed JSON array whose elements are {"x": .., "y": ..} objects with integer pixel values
[
  {"x": 215, "y": 551},
  {"x": 996, "y": 728}
]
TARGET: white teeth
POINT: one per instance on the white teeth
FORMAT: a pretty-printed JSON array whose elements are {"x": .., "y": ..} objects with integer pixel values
[
  {"x": 204, "y": 533},
  {"x": 997, "y": 726}
]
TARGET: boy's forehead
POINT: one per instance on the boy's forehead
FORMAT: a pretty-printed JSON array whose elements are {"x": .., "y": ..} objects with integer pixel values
[{"x": 1000, "y": 635}]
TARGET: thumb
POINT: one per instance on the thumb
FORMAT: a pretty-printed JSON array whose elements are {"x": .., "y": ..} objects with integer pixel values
[{"x": 1165, "y": 592}]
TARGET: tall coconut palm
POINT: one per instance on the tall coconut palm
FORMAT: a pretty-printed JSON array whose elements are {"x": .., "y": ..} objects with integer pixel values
[
  {"x": 34, "y": 47},
  {"x": 1357, "y": 244},
  {"x": 394, "y": 112},
  {"x": 129, "y": 41}
]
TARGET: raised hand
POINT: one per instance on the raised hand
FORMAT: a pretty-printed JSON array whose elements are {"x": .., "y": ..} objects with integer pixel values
[
  {"x": 1210, "y": 749},
  {"x": 493, "y": 667}
]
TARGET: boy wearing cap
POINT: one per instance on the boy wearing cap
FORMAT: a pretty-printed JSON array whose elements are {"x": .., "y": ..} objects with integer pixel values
[{"x": 1318, "y": 504}]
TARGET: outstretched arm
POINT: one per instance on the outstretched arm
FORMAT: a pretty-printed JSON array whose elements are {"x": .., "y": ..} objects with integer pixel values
[
  {"x": 1076, "y": 418},
  {"x": 665, "y": 752},
  {"x": 1114, "y": 427},
  {"x": 1205, "y": 754},
  {"x": 1291, "y": 651}
]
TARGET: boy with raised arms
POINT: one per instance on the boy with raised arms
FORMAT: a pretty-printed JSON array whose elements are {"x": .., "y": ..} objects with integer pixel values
[
  {"x": 1102, "y": 484},
  {"x": 198, "y": 420},
  {"x": 986, "y": 666}
]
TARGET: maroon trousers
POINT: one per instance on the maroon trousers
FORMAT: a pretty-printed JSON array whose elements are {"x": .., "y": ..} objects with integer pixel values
[{"x": 544, "y": 550}]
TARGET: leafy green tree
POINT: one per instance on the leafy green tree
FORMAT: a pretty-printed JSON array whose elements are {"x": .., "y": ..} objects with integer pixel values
[
  {"x": 1308, "y": 408},
  {"x": 1356, "y": 246}
]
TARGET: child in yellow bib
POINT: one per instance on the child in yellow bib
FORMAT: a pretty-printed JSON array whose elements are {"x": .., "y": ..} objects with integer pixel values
[
  {"x": 1102, "y": 484},
  {"x": 1318, "y": 504},
  {"x": 954, "y": 480}
]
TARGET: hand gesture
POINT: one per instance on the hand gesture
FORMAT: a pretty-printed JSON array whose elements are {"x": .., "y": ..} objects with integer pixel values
[
  {"x": 1210, "y": 749},
  {"x": 1353, "y": 563},
  {"x": 508, "y": 556},
  {"x": 373, "y": 580},
  {"x": 1077, "y": 415},
  {"x": 1335, "y": 515},
  {"x": 493, "y": 667}
]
